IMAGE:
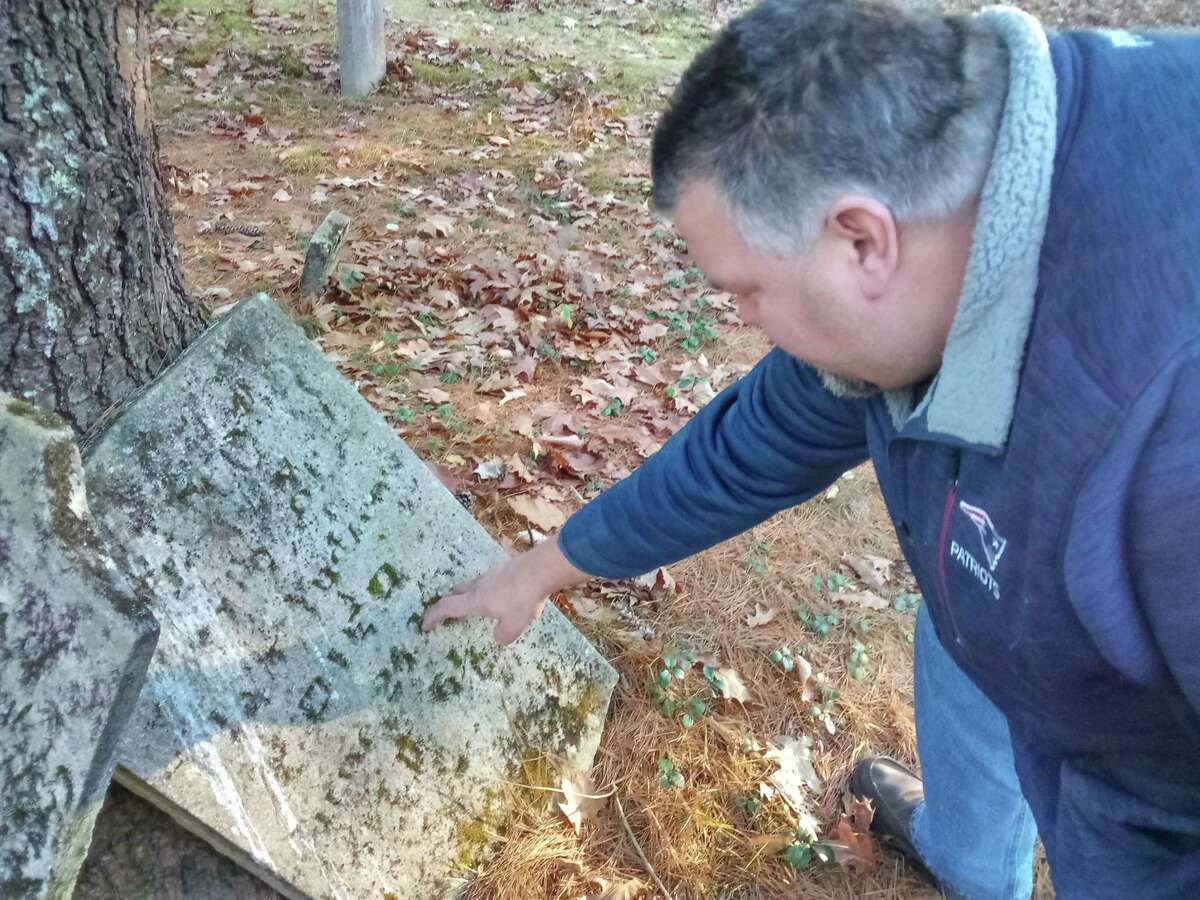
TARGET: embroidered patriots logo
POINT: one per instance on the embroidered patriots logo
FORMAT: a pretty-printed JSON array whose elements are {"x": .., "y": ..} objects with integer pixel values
[{"x": 993, "y": 544}]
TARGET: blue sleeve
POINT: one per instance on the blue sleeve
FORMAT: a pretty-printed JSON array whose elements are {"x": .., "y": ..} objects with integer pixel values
[{"x": 769, "y": 441}]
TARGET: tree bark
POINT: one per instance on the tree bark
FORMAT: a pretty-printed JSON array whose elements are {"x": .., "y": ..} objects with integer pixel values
[
  {"x": 92, "y": 307},
  {"x": 92, "y": 304}
]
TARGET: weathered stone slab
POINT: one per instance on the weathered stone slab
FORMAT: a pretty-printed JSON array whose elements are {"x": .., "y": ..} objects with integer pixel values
[
  {"x": 362, "y": 46},
  {"x": 74, "y": 647},
  {"x": 294, "y": 715}
]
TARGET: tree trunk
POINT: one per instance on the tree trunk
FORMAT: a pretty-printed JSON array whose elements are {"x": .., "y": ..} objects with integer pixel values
[
  {"x": 92, "y": 307},
  {"x": 92, "y": 304}
]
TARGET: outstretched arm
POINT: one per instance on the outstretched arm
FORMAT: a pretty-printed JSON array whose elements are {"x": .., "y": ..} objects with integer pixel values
[{"x": 767, "y": 442}]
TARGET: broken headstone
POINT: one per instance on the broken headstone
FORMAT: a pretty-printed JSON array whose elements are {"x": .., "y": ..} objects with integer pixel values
[
  {"x": 294, "y": 714},
  {"x": 321, "y": 258},
  {"x": 74, "y": 647}
]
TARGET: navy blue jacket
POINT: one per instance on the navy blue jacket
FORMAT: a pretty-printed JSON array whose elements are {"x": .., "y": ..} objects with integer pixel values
[{"x": 1059, "y": 554}]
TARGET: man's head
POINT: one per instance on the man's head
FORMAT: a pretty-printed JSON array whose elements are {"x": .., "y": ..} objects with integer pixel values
[{"x": 823, "y": 160}]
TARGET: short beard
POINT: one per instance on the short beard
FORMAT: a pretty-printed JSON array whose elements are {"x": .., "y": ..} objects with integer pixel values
[{"x": 841, "y": 386}]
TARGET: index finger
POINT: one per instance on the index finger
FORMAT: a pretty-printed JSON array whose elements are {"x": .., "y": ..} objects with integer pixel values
[{"x": 455, "y": 606}]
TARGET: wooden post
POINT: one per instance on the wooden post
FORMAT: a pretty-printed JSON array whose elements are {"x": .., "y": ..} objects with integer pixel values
[{"x": 361, "y": 46}]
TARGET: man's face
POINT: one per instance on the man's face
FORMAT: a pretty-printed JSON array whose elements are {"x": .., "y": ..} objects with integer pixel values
[{"x": 842, "y": 305}]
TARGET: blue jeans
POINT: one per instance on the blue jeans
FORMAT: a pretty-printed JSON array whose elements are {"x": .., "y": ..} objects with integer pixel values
[{"x": 975, "y": 832}]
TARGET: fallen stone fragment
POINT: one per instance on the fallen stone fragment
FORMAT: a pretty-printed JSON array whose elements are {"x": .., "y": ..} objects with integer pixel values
[
  {"x": 324, "y": 249},
  {"x": 295, "y": 716},
  {"x": 74, "y": 647}
]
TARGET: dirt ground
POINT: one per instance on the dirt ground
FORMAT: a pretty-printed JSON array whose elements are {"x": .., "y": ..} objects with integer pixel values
[{"x": 509, "y": 302}]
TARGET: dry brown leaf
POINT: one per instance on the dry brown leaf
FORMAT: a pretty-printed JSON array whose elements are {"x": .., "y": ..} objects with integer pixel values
[
  {"x": 762, "y": 615},
  {"x": 770, "y": 844},
  {"x": 865, "y": 599},
  {"x": 616, "y": 890},
  {"x": 732, "y": 686},
  {"x": 649, "y": 374},
  {"x": 281, "y": 196},
  {"x": 853, "y": 846},
  {"x": 517, "y": 465},
  {"x": 542, "y": 514},
  {"x": 581, "y": 800},
  {"x": 659, "y": 579},
  {"x": 873, "y": 571},
  {"x": 436, "y": 226}
]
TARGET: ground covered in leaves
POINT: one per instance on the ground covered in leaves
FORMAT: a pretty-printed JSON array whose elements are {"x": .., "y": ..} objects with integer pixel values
[{"x": 508, "y": 301}]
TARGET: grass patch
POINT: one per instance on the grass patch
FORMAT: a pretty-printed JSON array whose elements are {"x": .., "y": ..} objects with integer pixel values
[{"x": 304, "y": 159}]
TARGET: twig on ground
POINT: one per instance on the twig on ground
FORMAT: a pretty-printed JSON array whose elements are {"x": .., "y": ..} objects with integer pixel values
[{"x": 638, "y": 847}]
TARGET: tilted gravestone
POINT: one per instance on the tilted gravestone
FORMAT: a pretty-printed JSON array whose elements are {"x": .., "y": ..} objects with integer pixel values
[
  {"x": 74, "y": 647},
  {"x": 294, "y": 715}
]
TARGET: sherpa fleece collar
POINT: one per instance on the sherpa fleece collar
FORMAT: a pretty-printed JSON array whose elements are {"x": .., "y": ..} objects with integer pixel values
[{"x": 974, "y": 392}]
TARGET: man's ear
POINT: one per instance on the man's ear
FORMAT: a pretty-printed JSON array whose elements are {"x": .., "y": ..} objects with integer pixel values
[{"x": 869, "y": 232}]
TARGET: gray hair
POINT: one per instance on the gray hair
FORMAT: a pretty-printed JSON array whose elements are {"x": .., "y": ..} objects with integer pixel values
[{"x": 798, "y": 101}]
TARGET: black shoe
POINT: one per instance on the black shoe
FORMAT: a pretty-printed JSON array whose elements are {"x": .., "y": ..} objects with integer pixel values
[{"x": 894, "y": 791}]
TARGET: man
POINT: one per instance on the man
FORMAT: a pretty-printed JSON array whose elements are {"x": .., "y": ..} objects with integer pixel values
[{"x": 977, "y": 249}]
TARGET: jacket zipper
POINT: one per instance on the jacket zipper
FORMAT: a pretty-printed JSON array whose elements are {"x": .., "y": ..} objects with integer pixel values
[{"x": 943, "y": 581}]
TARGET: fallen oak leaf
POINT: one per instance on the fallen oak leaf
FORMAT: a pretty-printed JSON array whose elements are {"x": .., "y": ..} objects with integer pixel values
[
  {"x": 796, "y": 777},
  {"x": 540, "y": 513},
  {"x": 865, "y": 599},
  {"x": 648, "y": 374},
  {"x": 517, "y": 465},
  {"x": 762, "y": 615},
  {"x": 853, "y": 847},
  {"x": 873, "y": 571},
  {"x": 729, "y": 684}
]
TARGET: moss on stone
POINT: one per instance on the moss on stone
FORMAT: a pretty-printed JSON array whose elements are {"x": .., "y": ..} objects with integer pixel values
[
  {"x": 409, "y": 753},
  {"x": 40, "y": 417}
]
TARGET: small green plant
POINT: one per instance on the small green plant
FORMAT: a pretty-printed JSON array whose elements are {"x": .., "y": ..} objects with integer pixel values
[
  {"x": 390, "y": 369},
  {"x": 689, "y": 707},
  {"x": 449, "y": 377},
  {"x": 856, "y": 662},
  {"x": 832, "y": 582},
  {"x": 612, "y": 407},
  {"x": 648, "y": 356},
  {"x": 817, "y": 623},
  {"x": 756, "y": 559},
  {"x": 802, "y": 854},
  {"x": 749, "y": 804},
  {"x": 907, "y": 602},
  {"x": 404, "y": 413},
  {"x": 669, "y": 777},
  {"x": 782, "y": 658},
  {"x": 861, "y": 625},
  {"x": 823, "y": 711}
]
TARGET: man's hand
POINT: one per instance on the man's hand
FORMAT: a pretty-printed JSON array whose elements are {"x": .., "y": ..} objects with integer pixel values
[{"x": 513, "y": 592}]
